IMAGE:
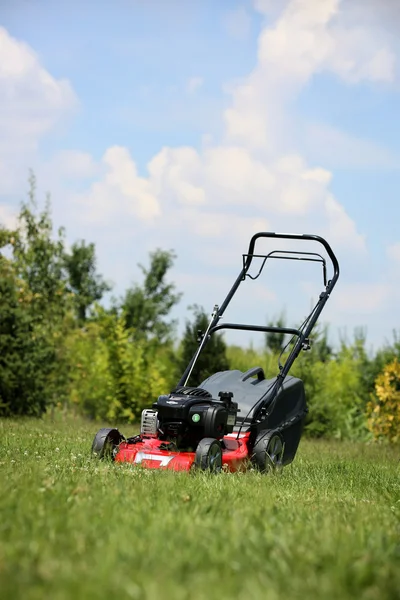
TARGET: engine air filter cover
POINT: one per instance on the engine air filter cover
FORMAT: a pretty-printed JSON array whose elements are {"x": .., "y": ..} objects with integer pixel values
[{"x": 148, "y": 424}]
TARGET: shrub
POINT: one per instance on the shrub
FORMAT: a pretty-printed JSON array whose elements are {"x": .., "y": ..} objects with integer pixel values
[
  {"x": 113, "y": 376},
  {"x": 383, "y": 411}
]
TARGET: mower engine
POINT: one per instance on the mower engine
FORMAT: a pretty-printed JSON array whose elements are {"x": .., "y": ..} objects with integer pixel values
[{"x": 188, "y": 415}]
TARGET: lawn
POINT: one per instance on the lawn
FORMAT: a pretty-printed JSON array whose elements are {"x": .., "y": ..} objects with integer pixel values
[{"x": 70, "y": 527}]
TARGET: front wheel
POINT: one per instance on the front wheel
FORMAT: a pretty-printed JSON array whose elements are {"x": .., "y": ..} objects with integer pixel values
[
  {"x": 268, "y": 451},
  {"x": 209, "y": 455},
  {"x": 105, "y": 442}
]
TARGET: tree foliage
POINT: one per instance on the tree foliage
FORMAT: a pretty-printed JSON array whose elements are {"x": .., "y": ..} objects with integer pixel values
[
  {"x": 33, "y": 307},
  {"x": 26, "y": 356},
  {"x": 212, "y": 359},
  {"x": 84, "y": 282},
  {"x": 38, "y": 257},
  {"x": 146, "y": 306},
  {"x": 110, "y": 368},
  {"x": 114, "y": 378},
  {"x": 274, "y": 342},
  {"x": 334, "y": 393}
]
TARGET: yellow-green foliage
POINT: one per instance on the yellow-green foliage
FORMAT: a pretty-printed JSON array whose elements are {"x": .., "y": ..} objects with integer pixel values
[
  {"x": 113, "y": 377},
  {"x": 333, "y": 388},
  {"x": 246, "y": 358},
  {"x": 384, "y": 408},
  {"x": 90, "y": 382},
  {"x": 334, "y": 393}
]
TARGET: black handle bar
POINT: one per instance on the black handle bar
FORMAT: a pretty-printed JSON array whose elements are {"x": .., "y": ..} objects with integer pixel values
[{"x": 294, "y": 236}]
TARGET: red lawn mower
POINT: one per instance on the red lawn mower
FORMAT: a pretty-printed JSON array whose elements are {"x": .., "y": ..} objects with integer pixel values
[{"x": 232, "y": 420}]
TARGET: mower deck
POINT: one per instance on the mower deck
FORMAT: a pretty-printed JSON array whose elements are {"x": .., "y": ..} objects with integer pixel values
[{"x": 152, "y": 454}]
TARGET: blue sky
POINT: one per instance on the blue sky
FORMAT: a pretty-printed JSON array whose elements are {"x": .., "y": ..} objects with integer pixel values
[{"x": 191, "y": 125}]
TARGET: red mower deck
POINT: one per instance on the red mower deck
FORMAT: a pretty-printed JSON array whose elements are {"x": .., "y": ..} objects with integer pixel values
[{"x": 149, "y": 453}]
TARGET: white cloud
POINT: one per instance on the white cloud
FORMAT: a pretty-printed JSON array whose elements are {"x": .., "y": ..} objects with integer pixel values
[
  {"x": 357, "y": 55},
  {"x": 309, "y": 37},
  {"x": 8, "y": 218},
  {"x": 238, "y": 23},
  {"x": 341, "y": 228},
  {"x": 209, "y": 189},
  {"x": 340, "y": 149},
  {"x": 71, "y": 164},
  {"x": 174, "y": 176},
  {"x": 393, "y": 252},
  {"x": 360, "y": 298},
  {"x": 32, "y": 101},
  {"x": 121, "y": 192},
  {"x": 270, "y": 7},
  {"x": 251, "y": 171},
  {"x": 194, "y": 84}
]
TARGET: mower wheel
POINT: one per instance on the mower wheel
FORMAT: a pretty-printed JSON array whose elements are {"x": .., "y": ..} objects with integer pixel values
[
  {"x": 268, "y": 451},
  {"x": 105, "y": 441},
  {"x": 209, "y": 455}
]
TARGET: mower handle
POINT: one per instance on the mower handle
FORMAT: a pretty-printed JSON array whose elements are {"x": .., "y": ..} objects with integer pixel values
[
  {"x": 261, "y": 328},
  {"x": 259, "y": 371},
  {"x": 294, "y": 236}
]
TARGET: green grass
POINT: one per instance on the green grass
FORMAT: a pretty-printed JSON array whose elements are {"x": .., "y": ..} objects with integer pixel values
[{"x": 70, "y": 527}]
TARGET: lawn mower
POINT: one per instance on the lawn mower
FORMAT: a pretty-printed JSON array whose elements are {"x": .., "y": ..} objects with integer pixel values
[{"x": 233, "y": 419}]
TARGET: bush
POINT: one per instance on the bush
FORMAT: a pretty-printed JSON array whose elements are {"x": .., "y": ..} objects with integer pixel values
[
  {"x": 334, "y": 395},
  {"x": 113, "y": 376},
  {"x": 333, "y": 389},
  {"x": 383, "y": 410}
]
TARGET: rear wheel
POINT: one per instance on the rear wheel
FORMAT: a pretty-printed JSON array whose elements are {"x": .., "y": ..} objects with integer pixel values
[
  {"x": 268, "y": 451},
  {"x": 209, "y": 455},
  {"x": 105, "y": 443}
]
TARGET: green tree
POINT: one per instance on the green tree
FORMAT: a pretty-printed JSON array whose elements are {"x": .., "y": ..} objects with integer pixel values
[
  {"x": 320, "y": 346},
  {"x": 26, "y": 356},
  {"x": 35, "y": 306},
  {"x": 39, "y": 258},
  {"x": 373, "y": 364},
  {"x": 275, "y": 342},
  {"x": 213, "y": 357},
  {"x": 146, "y": 307},
  {"x": 111, "y": 368},
  {"x": 83, "y": 280}
]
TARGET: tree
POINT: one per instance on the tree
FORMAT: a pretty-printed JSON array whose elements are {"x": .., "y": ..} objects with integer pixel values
[
  {"x": 374, "y": 365},
  {"x": 83, "y": 281},
  {"x": 320, "y": 347},
  {"x": 44, "y": 357},
  {"x": 145, "y": 307},
  {"x": 39, "y": 258},
  {"x": 213, "y": 357},
  {"x": 275, "y": 341},
  {"x": 26, "y": 356},
  {"x": 34, "y": 305}
]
